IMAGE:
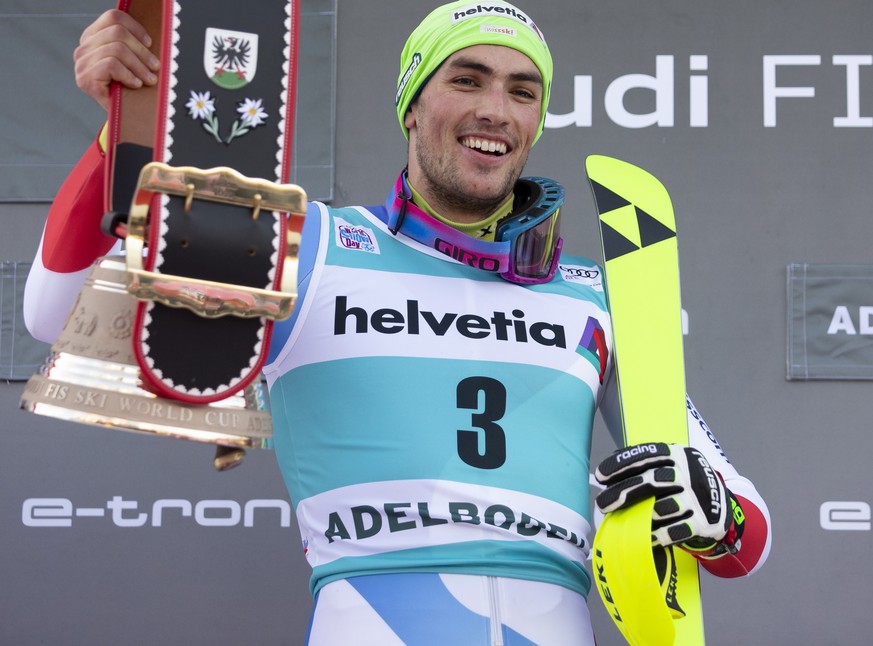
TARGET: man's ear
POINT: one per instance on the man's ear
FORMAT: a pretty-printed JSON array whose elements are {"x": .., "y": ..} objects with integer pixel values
[{"x": 409, "y": 119}]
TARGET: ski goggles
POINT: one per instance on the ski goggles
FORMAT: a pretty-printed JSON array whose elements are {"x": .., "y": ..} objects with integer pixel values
[{"x": 527, "y": 242}]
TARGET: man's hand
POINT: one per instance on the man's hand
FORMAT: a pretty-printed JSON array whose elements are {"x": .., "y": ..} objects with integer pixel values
[
  {"x": 115, "y": 47},
  {"x": 693, "y": 507}
]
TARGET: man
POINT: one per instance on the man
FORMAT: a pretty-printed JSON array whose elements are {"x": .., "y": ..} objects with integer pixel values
[{"x": 432, "y": 416}]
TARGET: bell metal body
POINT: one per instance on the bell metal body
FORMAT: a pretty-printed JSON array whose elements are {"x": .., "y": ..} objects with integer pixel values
[{"x": 92, "y": 377}]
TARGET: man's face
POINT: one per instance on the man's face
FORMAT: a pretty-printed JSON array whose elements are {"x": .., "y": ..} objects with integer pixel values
[{"x": 471, "y": 129}]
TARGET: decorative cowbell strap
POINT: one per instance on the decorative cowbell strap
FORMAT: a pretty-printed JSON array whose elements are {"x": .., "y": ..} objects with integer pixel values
[{"x": 210, "y": 252}]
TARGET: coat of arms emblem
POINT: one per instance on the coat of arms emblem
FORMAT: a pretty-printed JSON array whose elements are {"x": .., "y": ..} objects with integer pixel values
[{"x": 230, "y": 57}]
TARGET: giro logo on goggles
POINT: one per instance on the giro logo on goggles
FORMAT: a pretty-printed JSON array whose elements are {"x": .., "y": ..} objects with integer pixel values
[{"x": 465, "y": 256}]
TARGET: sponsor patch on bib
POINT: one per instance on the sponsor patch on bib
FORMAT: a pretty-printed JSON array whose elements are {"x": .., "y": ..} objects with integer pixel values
[
  {"x": 587, "y": 275},
  {"x": 350, "y": 236}
]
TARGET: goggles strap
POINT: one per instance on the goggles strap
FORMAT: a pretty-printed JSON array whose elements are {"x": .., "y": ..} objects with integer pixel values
[{"x": 401, "y": 213}]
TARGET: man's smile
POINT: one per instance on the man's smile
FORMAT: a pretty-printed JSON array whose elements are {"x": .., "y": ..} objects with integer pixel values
[{"x": 485, "y": 145}]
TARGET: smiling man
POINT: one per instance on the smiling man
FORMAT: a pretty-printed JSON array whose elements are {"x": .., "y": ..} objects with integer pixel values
[{"x": 434, "y": 392}]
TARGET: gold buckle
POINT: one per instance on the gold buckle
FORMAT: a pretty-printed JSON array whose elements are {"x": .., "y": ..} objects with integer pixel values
[{"x": 203, "y": 297}]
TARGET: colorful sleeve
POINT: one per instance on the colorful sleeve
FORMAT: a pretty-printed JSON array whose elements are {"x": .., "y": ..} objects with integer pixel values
[
  {"x": 71, "y": 241},
  {"x": 751, "y": 512}
]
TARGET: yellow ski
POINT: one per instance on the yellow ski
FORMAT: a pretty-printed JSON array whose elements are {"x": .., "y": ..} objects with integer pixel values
[{"x": 641, "y": 265}]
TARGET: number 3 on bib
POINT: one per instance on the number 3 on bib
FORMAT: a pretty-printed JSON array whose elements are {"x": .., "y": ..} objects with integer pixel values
[{"x": 492, "y": 453}]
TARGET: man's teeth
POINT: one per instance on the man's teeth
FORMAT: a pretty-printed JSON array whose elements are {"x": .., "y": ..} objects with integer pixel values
[{"x": 485, "y": 145}]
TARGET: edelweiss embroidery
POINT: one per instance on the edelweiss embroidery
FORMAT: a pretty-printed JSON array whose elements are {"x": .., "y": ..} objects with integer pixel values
[{"x": 201, "y": 106}]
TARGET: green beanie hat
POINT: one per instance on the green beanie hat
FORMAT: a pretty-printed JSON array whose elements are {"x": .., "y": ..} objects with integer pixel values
[{"x": 461, "y": 24}]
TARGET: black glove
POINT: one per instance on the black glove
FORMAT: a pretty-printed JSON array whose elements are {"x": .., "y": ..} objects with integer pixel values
[{"x": 693, "y": 508}]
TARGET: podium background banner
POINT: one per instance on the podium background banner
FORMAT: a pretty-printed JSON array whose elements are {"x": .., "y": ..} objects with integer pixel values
[
  {"x": 20, "y": 354},
  {"x": 830, "y": 321}
]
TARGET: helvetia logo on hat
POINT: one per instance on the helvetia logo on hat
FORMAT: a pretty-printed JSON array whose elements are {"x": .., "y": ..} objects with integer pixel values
[{"x": 494, "y": 9}]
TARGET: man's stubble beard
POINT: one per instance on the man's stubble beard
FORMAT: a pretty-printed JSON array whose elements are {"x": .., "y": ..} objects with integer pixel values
[{"x": 442, "y": 181}]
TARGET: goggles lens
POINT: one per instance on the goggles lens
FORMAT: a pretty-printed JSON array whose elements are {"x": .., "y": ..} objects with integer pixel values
[
  {"x": 534, "y": 248},
  {"x": 534, "y": 232}
]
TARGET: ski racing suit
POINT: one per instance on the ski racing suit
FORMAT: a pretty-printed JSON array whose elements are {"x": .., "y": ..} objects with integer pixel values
[{"x": 433, "y": 425}]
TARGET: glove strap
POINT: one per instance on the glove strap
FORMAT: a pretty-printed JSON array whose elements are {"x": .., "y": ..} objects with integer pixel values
[{"x": 730, "y": 544}]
